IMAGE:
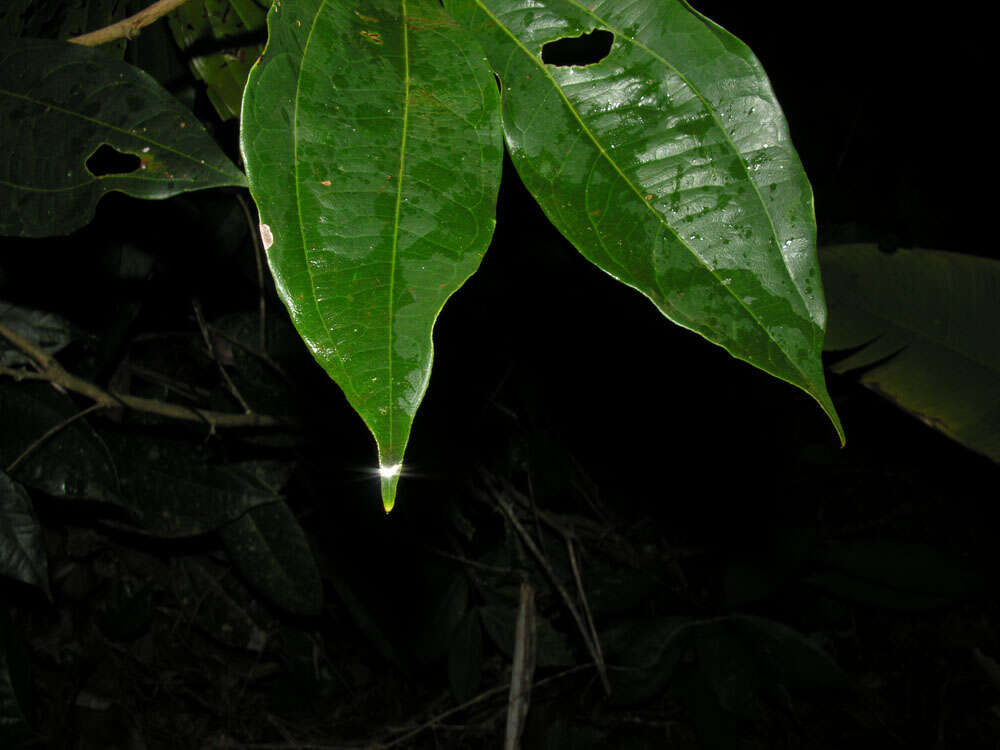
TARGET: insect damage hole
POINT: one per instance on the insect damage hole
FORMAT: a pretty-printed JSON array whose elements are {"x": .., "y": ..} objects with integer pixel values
[
  {"x": 585, "y": 49},
  {"x": 107, "y": 160}
]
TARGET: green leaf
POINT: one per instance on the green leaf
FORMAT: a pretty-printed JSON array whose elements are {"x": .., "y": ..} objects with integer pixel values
[
  {"x": 920, "y": 320},
  {"x": 70, "y": 461},
  {"x": 371, "y": 137},
  {"x": 59, "y": 103},
  {"x": 669, "y": 165},
  {"x": 208, "y": 24},
  {"x": 270, "y": 549},
  {"x": 22, "y": 554}
]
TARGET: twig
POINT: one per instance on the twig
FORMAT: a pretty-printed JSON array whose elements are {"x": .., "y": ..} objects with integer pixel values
[
  {"x": 49, "y": 433},
  {"x": 586, "y": 605},
  {"x": 523, "y": 669},
  {"x": 258, "y": 255},
  {"x": 470, "y": 703},
  {"x": 50, "y": 371},
  {"x": 127, "y": 28},
  {"x": 213, "y": 353},
  {"x": 567, "y": 600}
]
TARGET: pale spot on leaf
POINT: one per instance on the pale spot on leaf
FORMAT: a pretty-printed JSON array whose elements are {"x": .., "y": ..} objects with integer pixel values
[{"x": 265, "y": 236}]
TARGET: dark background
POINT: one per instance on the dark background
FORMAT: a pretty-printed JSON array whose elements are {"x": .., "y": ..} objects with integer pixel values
[{"x": 547, "y": 370}]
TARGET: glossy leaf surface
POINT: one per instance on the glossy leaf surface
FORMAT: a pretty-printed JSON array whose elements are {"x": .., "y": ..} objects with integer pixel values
[
  {"x": 201, "y": 27},
  {"x": 371, "y": 137},
  {"x": 59, "y": 103},
  {"x": 925, "y": 324},
  {"x": 669, "y": 165},
  {"x": 22, "y": 553}
]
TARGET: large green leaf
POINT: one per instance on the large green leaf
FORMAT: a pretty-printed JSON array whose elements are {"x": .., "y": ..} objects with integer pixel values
[
  {"x": 371, "y": 137},
  {"x": 59, "y": 103},
  {"x": 669, "y": 165},
  {"x": 924, "y": 325}
]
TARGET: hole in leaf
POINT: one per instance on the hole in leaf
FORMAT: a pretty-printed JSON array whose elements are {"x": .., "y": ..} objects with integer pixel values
[
  {"x": 107, "y": 160},
  {"x": 585, "y": 49}
]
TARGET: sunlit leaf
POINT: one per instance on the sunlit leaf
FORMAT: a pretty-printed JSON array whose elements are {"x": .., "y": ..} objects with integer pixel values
[
  {"x": 668, "y": 163},
  {"x": 371, "y": 137},
  {"x": 923, "y": 324},
  {"x": 59, "y": 103}
]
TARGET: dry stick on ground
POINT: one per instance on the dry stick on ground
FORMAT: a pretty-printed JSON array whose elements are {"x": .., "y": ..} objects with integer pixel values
[
  {"x": 583, "y": 599},
  {"x": 523, "y": 669},
  {"x": 128, "y": 28},
  {"x": 469, "y": 704},
  {"x": 50, "y": 371},
  {"x": 595, "y": 652}
]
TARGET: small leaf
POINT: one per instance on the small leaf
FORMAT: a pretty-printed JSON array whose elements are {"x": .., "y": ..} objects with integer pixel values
[
  {"x": 270, "y": 549},
  {"x": 59, "y": 105},
  {"x": 22, "y": 554},
  {"x": 206, "y": 24},
  {"x": 918, "y": 317},
  {"x": 45, "y": 330},
  {"x": 72, "y": 462},
  {"x": 371, "y": 137},
  {"x": 669, "y": 165}
]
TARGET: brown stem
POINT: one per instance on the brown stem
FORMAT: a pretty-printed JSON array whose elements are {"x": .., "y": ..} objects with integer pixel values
[
  {"x": 127, "y": 28},
  {"x": 52, "y": 372}
]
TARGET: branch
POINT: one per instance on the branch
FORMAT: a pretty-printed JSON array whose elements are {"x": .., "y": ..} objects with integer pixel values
[
  {"x": 50, "y": 371},
  {"x": 127, "y": 28}
]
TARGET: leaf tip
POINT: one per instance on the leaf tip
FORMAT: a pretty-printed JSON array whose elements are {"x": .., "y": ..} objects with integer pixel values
[{"x": 389, "y": 475}]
